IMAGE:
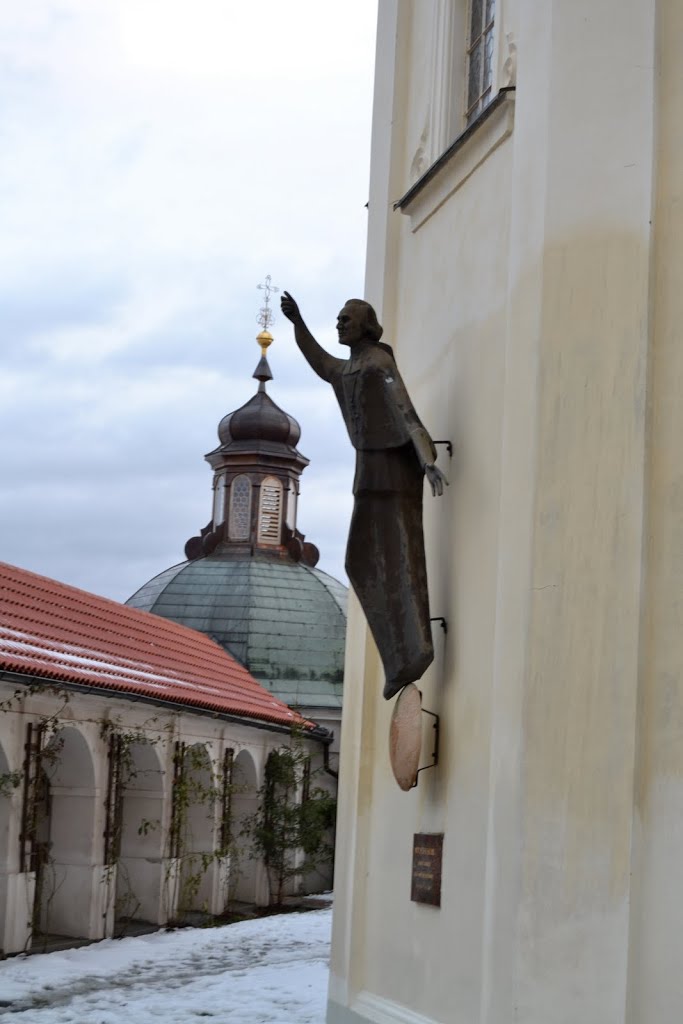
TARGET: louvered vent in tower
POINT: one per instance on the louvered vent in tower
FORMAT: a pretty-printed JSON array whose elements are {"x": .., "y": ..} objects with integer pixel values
[{"x": 270, "y": 511}]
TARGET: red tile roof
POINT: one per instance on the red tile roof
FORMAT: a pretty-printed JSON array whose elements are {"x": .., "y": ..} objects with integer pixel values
[{"x": 52, "y": 631}]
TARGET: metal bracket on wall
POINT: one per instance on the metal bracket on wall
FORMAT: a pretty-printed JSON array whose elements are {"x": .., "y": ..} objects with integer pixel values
[
  {"x": 435, "y": 752},
  {"x": 442, "y": 622},
  {"x": 449, "y": 447}
]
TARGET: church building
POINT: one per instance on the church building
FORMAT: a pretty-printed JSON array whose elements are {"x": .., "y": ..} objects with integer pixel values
[
  {"x": 134, "y": 746},
  {"x": 525, "y": 258},
  {"x": 251, "y": 580}
]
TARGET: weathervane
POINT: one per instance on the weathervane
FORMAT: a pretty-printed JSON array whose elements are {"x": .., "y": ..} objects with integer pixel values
[{"x": 265, "y": 316}]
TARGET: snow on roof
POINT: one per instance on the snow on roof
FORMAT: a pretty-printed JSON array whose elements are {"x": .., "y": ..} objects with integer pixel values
[{"x": 49, "y": 630}]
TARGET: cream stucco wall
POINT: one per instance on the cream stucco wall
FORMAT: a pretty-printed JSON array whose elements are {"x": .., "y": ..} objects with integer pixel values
[
  {"x": 533, "y": 292},
  {"x": 655, "y": 978}
]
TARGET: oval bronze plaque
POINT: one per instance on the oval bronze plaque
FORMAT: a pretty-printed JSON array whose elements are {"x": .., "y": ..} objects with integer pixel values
[{"x": 405, "y": 736}]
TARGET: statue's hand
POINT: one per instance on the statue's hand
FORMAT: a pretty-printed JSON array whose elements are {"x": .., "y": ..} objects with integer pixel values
[
  {"x": 289, "y": 307},
  {"x": 436, "y": 479}
]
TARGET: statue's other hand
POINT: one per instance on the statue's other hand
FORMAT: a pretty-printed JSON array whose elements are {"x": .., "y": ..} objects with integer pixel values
[
  {"x": 289, "y": 307},
  {"x": 436, "y": 479}
]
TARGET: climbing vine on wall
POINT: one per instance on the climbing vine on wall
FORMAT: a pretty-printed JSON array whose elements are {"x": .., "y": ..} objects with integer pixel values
[
  {"x": 292, "y": 827},
  {"x": 290, "y": 831}
]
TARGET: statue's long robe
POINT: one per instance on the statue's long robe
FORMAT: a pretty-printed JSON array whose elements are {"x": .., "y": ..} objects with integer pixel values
[{"x": 385, "y": 556}]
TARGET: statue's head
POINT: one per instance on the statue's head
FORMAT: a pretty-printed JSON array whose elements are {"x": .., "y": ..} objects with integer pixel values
[{"x": 357, "y": 322}]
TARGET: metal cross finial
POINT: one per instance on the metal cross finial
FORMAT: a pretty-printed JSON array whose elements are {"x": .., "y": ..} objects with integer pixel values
[{"x": 265, "y": 316}]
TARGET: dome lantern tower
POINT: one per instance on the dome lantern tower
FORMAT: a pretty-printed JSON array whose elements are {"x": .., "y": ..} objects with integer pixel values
[
  {"x": 251, "y": 580},
  {"x": 256, "y": 474}
]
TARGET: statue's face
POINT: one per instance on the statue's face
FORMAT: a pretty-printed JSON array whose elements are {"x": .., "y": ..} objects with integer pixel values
[{"x": 351, "y": 325}]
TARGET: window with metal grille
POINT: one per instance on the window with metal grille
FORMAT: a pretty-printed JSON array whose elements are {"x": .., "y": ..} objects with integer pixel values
[
  {"x": 480, "y": 53},
  {"x": 270, "y": 511},
  {"x": 240, "y": 508}
]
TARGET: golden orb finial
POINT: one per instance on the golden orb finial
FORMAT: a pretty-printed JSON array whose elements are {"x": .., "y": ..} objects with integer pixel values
[{"x": 265, "y": 339}]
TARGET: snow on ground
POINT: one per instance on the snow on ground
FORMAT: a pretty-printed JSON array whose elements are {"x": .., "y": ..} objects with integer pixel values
[{"x": 270, "y": 971}]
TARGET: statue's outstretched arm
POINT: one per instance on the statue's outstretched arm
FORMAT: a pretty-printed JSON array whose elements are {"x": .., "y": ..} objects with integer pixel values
[{"x": 321, "y": 361}]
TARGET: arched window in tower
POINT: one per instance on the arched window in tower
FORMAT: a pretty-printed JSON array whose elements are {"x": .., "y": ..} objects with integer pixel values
[
  {"x": 240, "y": 508},
  {"x": 270, "y": 511}
]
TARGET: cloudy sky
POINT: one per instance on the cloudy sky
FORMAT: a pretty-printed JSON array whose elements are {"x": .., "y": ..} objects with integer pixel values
[{"x": 159, "y": 158}]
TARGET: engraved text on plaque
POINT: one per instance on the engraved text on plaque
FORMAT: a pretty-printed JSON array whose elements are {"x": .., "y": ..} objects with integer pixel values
[{"x": 427, "y": 856}]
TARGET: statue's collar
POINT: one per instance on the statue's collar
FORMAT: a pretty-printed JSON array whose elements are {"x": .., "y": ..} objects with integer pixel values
[{"x": 364, "y": 353}]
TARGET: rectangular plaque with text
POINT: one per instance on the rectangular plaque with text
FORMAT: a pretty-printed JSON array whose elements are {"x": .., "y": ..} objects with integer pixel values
[{"x": 427, "y": 857}]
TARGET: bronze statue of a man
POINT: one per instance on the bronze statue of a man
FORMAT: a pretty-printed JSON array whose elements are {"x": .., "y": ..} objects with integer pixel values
[{"x": 385, "y": 556}]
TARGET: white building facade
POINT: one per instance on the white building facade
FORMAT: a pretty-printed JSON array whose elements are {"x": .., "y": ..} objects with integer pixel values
[
  {"x": 525, "y": 258},
  {"x": 67, "y": 880},
  {"x": 132, "y": 755}
]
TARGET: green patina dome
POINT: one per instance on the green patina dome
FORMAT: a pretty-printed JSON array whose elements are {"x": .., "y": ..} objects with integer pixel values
[
  {"x": 250, "y": 581},
  {"x": 284, "y": 620}
]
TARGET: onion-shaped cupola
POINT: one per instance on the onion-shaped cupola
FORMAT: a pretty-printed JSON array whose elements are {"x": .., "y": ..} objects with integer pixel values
[
  {"x": 251, "y": 581},
  {"x": 260, "y": 419},
  {"x": 256, "y": 474}
]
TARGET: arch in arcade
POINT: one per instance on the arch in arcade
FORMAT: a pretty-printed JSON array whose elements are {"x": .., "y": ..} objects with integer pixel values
[
  {"x": 196, "y": 819},
  {"x": 140, "y": 842},
  {"x": 5, "y": 814},
  {"x": 64, "y": 854},
  {"x": 247, "y": 872}
]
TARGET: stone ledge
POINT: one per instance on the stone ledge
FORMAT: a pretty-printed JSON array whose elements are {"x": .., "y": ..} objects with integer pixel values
[
  {"x": 460, "y": 160},
  {"x": 376, "y": 1010}
]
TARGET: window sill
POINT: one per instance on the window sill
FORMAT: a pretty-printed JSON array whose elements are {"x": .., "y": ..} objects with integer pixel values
[{"x": 460, "y": 160}]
